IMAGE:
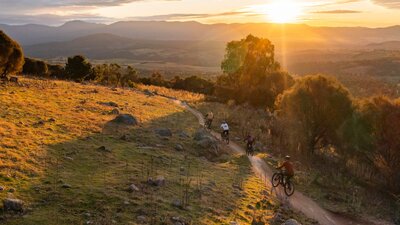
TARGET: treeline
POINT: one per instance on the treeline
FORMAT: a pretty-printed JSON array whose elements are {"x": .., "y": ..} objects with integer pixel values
[{"x": 316, "y": 118}]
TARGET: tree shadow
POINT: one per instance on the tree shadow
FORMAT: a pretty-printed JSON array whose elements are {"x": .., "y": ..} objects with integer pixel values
[{"x": 87, "y": 180}]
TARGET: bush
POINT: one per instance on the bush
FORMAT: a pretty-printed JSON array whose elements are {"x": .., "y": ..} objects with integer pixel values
[
  {"x": 11, "y": 56},
  {"x": 78, "y": 68},
  {"x": 35, "y": 67}
]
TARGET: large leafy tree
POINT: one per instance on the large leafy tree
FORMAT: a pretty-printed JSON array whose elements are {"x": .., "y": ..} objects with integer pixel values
[
  {"x": 316, "y": 107},
  {"x": 78, "y": 68},
  {"x": 251, "y": 72},
  {"x": 382, "y": 118},
  {"x": 11, "y": 56}
]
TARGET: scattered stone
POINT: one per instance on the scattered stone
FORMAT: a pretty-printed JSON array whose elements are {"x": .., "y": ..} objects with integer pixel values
[
  {"x": 177, "y": 203},
  {"x": 114, "y": 89},
  {"x": 13, "y": 92},
  {"x": 66, "y": 186},
  {"x": 233, "y": 223},
  {"x": 141, "y": 219},
  {"x": 163, "y": 132},
  {"x": 114, "y": 112},
  {"x": 112, "y": 104},
  {"x": 148, "y": 92},
  {"x": 200, "y": 134},
  {"x": 15, "y": 205},
  {"x": 183, "y": 134},
  {"x": 160, "y": 181},
  {"x": 125, "y": 137},
  {"x": 103, "y": 149},
  {"x": 68, "y": 158},
  {"x": 291, "y": 222},
  {"x": 179, "y": 147},
  {"x": 126, "y": 119},
  {"x": 133, "y": 188},
  {"x": 11, "y": 190},
  {"x": 1, "y": 188},
  {"x": 250, "y": 207},
  {"x": 14, "y": 79},
  {"x": 51, "y": 120}
]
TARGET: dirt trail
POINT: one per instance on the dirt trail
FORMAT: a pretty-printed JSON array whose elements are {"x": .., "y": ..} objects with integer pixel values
[{"x": 297, "y": 201}]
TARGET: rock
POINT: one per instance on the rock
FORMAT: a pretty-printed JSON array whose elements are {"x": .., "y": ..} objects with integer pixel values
[
  {"x": 250, "y": 207},
  {"x": 179, "y": 147},
  {"x": 66, "y": 186},
  {"x": 112, "y": 104},
  {"x": 51, "y": 120},
  {"x": 141, "y": 219},
  {"x": 133, "y": 188},
  {"x": 200, "y": 134},
  {"x": 114, "y": 112},
  {"x": 207, "y": 142},
  {"x": 148, "y": 92},
  {"x": 1, "y": 188},
  {"x": 126, "y": 119},
  {"x": 68, "y": 158},
  {"x": 291, "y": 222},
  {"x": 183, "y": 134},
  {"x": 177, "y": 203},
  {"x": 160, "y": 181},
  {"x": 14, "y": 80},
  {"x": 103, "y": 149},
  {"x": 163, "y": 132},
  {"x": 15, "y": 205},
  {"x": 233, "y": 223},
  {"x": 125, "y": 137},
  {"x": 11, "y": 190}
]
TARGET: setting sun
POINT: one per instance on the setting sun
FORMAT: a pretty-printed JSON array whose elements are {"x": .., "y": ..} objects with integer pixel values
[{"x": 282, "y": 11}]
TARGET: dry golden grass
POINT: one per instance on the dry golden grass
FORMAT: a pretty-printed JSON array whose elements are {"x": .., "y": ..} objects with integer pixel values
[
  {"x": 178, "y": 94},
  {"x": 51, "y": 130}
]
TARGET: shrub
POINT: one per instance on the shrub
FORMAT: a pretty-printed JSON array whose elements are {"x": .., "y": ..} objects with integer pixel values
[
  {"x": 78, "y": 68},
  {"x": 35, "y": 67}
]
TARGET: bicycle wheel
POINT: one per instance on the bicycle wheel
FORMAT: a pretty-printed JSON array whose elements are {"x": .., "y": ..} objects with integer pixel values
[
  {"x": 289, "y": 188},
  {"x": 276, "y": 179}
]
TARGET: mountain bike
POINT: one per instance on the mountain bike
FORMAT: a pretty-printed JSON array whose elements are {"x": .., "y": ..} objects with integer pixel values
[
  {"x": 207, "y": 124},
  {"x": 225, "y": 137},
  {"x": 250, "y": 150},
  {"x": 279, "y": 179}
]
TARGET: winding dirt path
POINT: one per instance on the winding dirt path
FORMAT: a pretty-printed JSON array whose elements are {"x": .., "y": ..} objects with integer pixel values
[{"x": 298, "y": 201}]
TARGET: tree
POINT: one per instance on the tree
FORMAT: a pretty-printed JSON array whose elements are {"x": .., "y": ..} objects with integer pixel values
[
  {"x": 382, "y": 116},
  {"x": 35, "y": 67},
  {"x": 11, "y": 56},
  {"x": 315, "y": 108},
  {"x": 130, "y": 76},
  {"x": 251, "y": 71},
  {"x": 78, "y": 68}
]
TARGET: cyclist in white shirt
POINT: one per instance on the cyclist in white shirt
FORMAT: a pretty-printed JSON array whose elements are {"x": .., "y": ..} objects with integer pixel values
[{"x": 225, "y": 128}]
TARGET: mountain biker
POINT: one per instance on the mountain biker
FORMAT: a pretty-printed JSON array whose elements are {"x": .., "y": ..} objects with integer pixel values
[
  {"x": 250, "y": 140},
  {"x": 287, "y": 166},
  {"x": 209, "y": 119},
  {"x": 225, "y": 128}
]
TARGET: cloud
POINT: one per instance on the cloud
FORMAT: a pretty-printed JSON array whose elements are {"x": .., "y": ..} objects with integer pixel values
[
  {"x": 338, "y": 11},
  {"x": 189, "y": 16},
  {"x": 388, "y": 3}
]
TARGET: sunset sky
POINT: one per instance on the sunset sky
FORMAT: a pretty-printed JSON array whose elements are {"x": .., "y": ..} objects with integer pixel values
[{"x": 370, "y": 13}]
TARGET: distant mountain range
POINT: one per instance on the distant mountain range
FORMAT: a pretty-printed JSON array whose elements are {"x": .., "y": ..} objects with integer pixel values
[
  {"x": 192, "y": 45},
  {"x": 296, "y": 35}
]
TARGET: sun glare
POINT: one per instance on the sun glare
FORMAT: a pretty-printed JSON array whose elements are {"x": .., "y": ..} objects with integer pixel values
[{"x": 283, "y": 11}]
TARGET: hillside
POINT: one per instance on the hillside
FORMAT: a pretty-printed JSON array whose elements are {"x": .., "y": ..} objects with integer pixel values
[
  {"x": 159, "y": 30},
  {"x": 63, "y": 157},
  {"x": 108, "y": 46}
]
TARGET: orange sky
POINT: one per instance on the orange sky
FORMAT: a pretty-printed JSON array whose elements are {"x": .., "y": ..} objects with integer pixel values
[{"x": 370, "y": 13}]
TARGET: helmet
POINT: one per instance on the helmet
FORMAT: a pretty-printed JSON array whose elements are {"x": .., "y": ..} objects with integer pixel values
[{"x": 287, "y": 157}]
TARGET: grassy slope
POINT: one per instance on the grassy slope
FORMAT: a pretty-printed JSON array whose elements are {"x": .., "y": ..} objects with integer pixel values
[
  {"x": 336, "y": 192},
  {"x": 38, "y": 155}
]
